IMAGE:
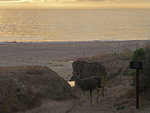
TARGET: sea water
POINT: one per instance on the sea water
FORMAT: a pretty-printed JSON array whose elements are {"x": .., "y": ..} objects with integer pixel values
[{"x": 48, "y": 25}]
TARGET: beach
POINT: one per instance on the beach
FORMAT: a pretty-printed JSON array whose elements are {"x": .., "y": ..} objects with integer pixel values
[{"x": 59, "y": 55}]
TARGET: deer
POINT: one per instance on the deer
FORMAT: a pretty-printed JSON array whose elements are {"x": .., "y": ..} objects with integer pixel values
[{"x": 88, "y": 84}]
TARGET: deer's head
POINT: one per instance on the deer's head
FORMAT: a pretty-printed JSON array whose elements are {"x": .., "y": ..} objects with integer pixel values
[{"x": 74, "y": 77}]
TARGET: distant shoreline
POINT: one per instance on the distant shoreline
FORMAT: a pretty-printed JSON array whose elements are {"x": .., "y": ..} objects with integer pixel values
[{"x": 7, "y": 42}]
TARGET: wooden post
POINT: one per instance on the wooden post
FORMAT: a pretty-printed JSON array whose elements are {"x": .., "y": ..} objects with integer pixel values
[
  {"x": 137, "y": 88},
  {"x": 137, "y": 66}
]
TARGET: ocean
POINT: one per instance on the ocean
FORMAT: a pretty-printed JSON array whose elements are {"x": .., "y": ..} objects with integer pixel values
[{"x": 48, "y": 25}]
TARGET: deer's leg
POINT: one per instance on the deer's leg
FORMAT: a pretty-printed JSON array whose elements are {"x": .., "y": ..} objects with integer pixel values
[
  {"x": 103, "y": 85},
  {"x": 80, "y": 96},
  {"x": 103, "y": 91},
  {"x": 97, "y": 94},
  {"x": 91, "y": 96}
]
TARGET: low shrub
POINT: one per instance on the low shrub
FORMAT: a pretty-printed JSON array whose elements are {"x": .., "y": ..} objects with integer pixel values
[{"x": 143, "y": 55}]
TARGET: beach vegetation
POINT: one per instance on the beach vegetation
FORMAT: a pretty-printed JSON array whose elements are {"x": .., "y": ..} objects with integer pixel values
[
  {"x": 139, "y": 55},
  {"x": 143, "y": 55}
]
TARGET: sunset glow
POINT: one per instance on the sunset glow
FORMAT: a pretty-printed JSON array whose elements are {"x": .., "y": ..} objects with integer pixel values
[{"x": 74, "y": 4}]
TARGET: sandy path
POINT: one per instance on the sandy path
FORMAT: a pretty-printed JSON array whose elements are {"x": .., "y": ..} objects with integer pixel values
[
  {"x": 51, "y": 106},
  {"x": 114, "y": 101}
]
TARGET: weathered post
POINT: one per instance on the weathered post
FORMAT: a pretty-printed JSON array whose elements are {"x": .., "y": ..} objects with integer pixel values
[{"x": 137, "y": 66}]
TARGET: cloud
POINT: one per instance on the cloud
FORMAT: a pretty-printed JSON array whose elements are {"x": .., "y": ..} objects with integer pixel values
[
  {"x": 95, "y": 0},
  {"x": 15, "y": 1},
  {"x": 74, "y": 3},
  {"x": 69, "y": 1},
  {"x": 102, "y": 1},
  {"x": 92, "y": 0},
  {"x": 8, "y": 0}
]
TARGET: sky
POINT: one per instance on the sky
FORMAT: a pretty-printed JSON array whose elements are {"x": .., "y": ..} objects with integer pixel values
[{"x": 71, "y": 4}]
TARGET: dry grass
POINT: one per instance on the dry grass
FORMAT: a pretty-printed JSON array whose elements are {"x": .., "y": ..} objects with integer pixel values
[
  {"x": 147, "y": 45},
  {"x": 10, "y": 102},
  {"x": 115, "y": 63},
  {"x": 23, "y": 87}
]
